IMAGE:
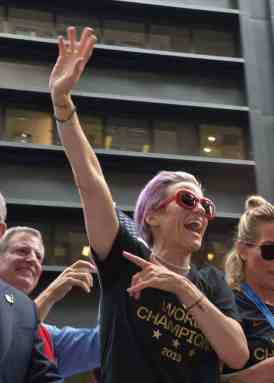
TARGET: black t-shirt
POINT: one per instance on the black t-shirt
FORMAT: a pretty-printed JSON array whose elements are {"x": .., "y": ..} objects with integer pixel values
[
  {"x": 259, "y": 333},
  {"x": 154, "y": 339}
]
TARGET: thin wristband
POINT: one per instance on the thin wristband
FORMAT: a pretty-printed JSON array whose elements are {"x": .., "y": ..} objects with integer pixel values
[
  {"x": 199, "y": 300},
  {"x": 61, "y": 106},
  {"x": 73, "y": 110}
]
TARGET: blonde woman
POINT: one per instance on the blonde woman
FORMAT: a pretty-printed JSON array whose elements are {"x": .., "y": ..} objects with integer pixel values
[{"x": 250, "y": 272}]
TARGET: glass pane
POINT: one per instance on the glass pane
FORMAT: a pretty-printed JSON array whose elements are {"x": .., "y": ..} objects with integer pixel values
[
  {"x": 68, "y": 243},
  {"x": 64, "y": 21},
  {"x": 2, "y": 19},
  {"x": 93, "y": 127},
  {"x": 175, "y": 138},
  {"x": 165, "y": 37},
  {"x": 127, "y": 134},
  {"x": 27, "y": 126},
  {"x": 214, "y": 250},
  {"x": 222, "y": 141},
  {"x": 165, "y": 138},
  {"x": 30, "y": 22},
  {"x": 118, "y": 32},
  {"x": 213, "y": 42}
]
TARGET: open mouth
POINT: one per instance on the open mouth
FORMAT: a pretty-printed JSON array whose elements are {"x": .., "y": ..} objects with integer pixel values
[{"x": 194, "y": 226}]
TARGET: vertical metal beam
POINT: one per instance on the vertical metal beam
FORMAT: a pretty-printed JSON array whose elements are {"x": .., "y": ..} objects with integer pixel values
[{"x": 257, "y": 41}]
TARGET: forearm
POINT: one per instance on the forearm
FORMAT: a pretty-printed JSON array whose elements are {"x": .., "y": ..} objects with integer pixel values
[
  {"x": 223, "y": 333},
  {"x": 79, "y": 151},
  {"x": 100, "y": 216},
  {"x": 44, "y": 304},
  {"x": 262, "y": 372}
]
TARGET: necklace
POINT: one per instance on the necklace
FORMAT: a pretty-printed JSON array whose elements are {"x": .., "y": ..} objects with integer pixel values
[{"x": 181, "y": 269}]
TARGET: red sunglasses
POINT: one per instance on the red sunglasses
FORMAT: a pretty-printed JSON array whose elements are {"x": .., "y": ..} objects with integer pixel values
[{"x": 188, "y": 200}]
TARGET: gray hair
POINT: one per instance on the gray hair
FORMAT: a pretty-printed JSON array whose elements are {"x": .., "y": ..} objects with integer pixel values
[
  {"x": 10, "y": 233},
  {"x": 3, "y": 209}
]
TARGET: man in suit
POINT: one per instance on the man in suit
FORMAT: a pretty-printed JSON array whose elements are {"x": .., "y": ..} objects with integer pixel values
[
  {"x": 21, "y": 356},
  {"x": 21, "y": 350}
]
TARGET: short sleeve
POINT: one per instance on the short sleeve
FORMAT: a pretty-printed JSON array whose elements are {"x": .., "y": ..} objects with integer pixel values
[
  {"x": 115, "y": 266},
  {"x": 220, "y": 294}
]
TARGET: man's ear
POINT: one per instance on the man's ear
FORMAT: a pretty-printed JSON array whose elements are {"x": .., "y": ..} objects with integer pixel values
[
  {"x": 3, "y": 228},
  {"x": 241, "y": 248}
]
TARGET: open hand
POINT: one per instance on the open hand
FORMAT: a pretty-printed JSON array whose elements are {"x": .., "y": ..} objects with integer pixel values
[
  {"x": 78, "y": 274},
  {"x": 72, "y": 59},
  {"x": 152, "y": 274}
]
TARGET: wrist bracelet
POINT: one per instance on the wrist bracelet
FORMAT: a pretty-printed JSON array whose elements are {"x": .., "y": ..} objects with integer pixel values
[
  {"x": 199, "y": 300},
  {"x": 61, "y": 106},
  {"x": 73, "y": 110}
]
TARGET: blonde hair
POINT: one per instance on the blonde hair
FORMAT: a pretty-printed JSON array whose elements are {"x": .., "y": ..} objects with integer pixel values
[{"x": 257, "y": 211}]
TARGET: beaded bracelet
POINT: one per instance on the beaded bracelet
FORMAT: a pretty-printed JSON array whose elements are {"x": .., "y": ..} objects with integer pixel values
[
  {"x": 73, "y": 110},
  {"x": 199, "y": 300}
]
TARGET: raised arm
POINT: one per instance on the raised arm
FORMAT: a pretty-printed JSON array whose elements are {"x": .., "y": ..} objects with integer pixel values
[{"x": 100, "y": 217}]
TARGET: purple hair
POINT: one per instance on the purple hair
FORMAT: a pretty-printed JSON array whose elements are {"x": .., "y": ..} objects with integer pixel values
[{"x": 152, "y": 194}]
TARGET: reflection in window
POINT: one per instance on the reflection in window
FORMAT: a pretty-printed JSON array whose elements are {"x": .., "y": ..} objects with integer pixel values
[
  {"x": 165, "y": 138},
  {"x": 214, "y": 249},
  {"x": 132, "y": 33},
  {"x": 94, "y": 129},
  {"x": 2, "y": 19},
  {"x": 165, "y": 37},
  {"x": 213, "y": 42},
  {"x": 119, "y": 32},
  {"x": 130, "y": 134},
  {"x": 30, "y": 22},
  {"x": 68, "y": 243},
  {"x": 27, "y": 126},
  {"x": 64, "y": 21},
  {"x": 175, "y": 138},
  {"x": 222, "y": 141},
  {"x": 127, "y": 134}
]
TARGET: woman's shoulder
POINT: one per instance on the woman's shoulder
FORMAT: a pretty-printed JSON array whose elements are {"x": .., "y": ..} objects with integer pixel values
[
  {"x": 211, "y": 280},
  {"x": 210, "y": 274}
]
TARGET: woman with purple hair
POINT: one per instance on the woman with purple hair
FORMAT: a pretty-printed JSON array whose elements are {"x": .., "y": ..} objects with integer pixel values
[{"x": 162, "y": 320}]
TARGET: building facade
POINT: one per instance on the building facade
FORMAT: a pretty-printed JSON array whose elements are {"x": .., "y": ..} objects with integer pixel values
[{"x": 173, "y": 84}]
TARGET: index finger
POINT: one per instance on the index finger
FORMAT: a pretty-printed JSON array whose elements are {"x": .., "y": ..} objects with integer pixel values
[
  {"x": 80, "y": 264},
  {"x": 86, "y": 40},
  {"x": 142, "y": 263}
]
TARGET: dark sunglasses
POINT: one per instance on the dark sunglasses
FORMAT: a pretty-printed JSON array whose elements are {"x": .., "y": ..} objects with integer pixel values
[
  {"x": 188, "y": 200},
  {"x": 267, "y": 251}
]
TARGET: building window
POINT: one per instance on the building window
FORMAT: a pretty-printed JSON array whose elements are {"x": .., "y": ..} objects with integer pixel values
[
  {"x": 127, "y": 134},
  {"x": 80, "y": 22},
  {"x": 165, "y": 37},
  {"x": 124, "y": 33},
  {"x": 28, "y": 126},
  {"x": 68, "y": 243},
  {"x": 31, "y": 23},
  {"x": 222, "y": 141},
  {"x": 212, "y": 42}
]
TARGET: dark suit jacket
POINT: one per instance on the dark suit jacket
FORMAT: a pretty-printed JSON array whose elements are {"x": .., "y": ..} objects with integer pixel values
[{"x": 21, "y": 350}]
